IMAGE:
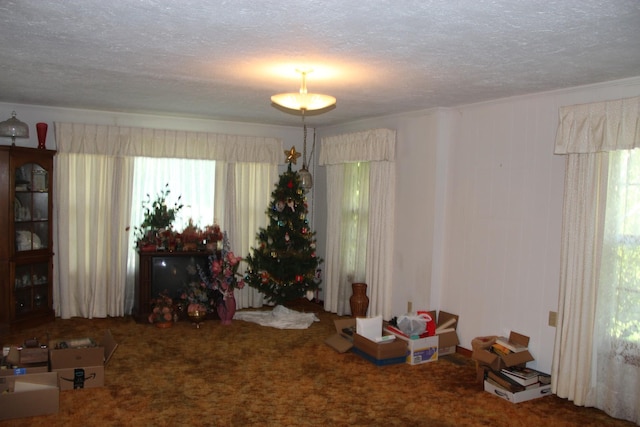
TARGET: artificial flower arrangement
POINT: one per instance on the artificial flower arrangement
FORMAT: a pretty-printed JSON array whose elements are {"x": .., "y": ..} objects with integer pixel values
[
  {"x": 222, "y": 277},
  {"x": 208, "y": 287},
  {"x": 162, "y": 309},
  {"x": 196, "y": 295}
]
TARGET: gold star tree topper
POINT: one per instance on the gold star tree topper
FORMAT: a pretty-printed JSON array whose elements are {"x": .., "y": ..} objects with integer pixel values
[{"x": 292, "y": 155}]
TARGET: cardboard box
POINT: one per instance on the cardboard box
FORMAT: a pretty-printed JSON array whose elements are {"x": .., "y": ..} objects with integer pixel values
[
  {"x": 421, "y": 350},
  {"x": 448, "y": 339},
  {"x": 484, "y": 356},
  {"x": 29, "y": 395},
  {"x": 380, "y": 351},
  {"x": 11, "y": 364},
  {"x": 521, "y": 396},
  {"x": 82, "y": 367},
  {"x": 341, "y": 341},
  {"x": 380, "y": 354}
]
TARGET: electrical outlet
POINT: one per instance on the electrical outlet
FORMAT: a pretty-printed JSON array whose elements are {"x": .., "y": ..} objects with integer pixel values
[
  {"x": 409, "y": 306},
  {"x": 553, "y": 318}
]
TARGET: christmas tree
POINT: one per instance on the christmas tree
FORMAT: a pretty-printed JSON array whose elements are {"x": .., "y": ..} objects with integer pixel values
[{"x": 284, "y": 264}]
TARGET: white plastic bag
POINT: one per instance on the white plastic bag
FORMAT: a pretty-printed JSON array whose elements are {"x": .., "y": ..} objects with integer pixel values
[{"x": 413, "y": 324}]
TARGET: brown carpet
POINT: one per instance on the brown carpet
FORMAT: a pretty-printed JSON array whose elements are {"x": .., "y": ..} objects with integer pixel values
[{"x": 246, "y": 374}]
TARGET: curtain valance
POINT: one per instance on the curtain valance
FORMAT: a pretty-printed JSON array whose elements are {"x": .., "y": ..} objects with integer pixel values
[
  {"x": 371, "y": 145},
  {"x": 130, "y": 141},
  {"x": 599, "y": 126}
]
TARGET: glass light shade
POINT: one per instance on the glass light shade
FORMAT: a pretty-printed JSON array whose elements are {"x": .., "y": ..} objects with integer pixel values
[
  {"x": 303, "y": 101},
  {"x": 306, "y": 180},
  {"x": 14, "y": 128}
]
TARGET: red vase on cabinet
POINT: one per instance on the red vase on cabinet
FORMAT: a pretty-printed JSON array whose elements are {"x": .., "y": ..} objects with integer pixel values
[{"x": 41, "y": 129}]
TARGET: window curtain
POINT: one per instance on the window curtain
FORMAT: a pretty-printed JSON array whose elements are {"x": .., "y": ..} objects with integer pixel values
[
  {"x": 585, "y": 369},
  {"x": 377, "y": 148},
  {"x": 246, "y": 190},
  {"x": 90, "y": 238},
  {"x": 96, "y": 161}
]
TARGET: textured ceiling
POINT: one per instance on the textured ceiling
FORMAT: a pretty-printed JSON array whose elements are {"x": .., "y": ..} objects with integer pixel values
[{"x": 224, "y": 59}]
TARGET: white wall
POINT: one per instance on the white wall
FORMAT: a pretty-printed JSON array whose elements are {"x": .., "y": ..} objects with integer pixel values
[{"x": 478, "y": 216}]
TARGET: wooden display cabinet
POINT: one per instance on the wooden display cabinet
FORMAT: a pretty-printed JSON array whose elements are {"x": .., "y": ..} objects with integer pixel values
[{"x": 26, "y": 251}]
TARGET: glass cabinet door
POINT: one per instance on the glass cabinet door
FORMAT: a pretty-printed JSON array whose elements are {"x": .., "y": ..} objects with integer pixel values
[
  {"x": 31, "y": 287},
  {"x": 31, "y": 208}
]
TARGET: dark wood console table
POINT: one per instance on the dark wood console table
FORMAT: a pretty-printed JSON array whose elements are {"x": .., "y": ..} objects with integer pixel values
[{"x": 163, "y": 271}]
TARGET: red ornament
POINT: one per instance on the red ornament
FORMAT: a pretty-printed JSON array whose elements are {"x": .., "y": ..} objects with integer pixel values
[
  {"x": 299, "y": 278},
  {"x": 290, "y": 184}
]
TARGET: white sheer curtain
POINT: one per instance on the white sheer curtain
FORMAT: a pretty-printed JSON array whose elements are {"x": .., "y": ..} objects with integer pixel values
[
  {"x": 343, "y": 263},
  {"x": 590, "y": 366},
  {"x": 94, "y": 164}
]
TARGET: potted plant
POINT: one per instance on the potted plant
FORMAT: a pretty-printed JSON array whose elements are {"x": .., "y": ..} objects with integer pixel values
[{"x": 158, "y": 219}]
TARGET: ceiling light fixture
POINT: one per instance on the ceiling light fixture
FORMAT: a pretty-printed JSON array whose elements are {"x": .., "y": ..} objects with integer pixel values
[
  {"x": 303, "y": 100},
  {"x": 14, "y": 128}
]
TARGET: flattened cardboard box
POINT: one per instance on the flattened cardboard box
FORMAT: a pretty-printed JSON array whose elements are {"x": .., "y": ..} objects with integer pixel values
[
  {"x": 82, "y": 367},
  {"x": 340, "y": 341},
  {"x": 29, "y": 395}
]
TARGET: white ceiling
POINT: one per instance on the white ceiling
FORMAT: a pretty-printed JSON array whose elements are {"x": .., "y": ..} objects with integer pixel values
[{"x": 224, "y": 59}]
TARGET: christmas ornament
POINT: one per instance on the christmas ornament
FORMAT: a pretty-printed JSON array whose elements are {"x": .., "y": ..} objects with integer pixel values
[
  {"x": 280, "y": 205},
  {"x": 292, "y": 155},
  {"x": 291, "y": 204}
]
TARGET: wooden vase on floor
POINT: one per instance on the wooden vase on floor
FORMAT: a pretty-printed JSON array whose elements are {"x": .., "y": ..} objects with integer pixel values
[
  {"x": 359, "y": 300},
  {"x": 163, "y": 325}
]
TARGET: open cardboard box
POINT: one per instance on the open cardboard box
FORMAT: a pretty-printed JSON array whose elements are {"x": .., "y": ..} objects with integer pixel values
[
  {"x": 448, "y": 339},
  {"x": 11, "y": 364},
  {"x": 380, "y": 354},
  {"x": 421, "y": 350},
  {"x": 82, "y": 367},
  {"x": 489, "y": 360},
  {"x": 29, "y": 395}
]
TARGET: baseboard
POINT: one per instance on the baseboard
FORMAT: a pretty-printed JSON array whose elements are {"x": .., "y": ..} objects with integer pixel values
[{"x": 463, "y": 351}]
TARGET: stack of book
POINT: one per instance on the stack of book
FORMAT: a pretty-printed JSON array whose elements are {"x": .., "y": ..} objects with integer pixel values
[
  {"x": 504, "y": 346},
  {"x": 518, "y": 378}
]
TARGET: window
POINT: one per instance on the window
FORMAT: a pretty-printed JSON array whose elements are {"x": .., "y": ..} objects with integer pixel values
[
  {"x": 619, "y": 292},
  {"x": 192, "y": 180},
  {"x": 355, "y": 220}
]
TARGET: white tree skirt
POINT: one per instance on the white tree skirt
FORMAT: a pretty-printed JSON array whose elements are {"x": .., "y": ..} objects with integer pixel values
[{"x": 280, "y": 317}]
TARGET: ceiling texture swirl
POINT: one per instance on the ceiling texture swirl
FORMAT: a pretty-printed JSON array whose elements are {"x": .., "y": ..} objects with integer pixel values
[{"x": 223, "y": 60}]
